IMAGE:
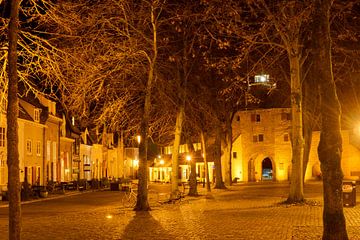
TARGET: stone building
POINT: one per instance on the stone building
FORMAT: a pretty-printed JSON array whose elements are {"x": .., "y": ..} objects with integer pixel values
[{"x": 262, "y": 148}]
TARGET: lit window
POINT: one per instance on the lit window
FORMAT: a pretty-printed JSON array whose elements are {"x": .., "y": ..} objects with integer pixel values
[
  {"x": 38, "y": 148},
  {"x": 36, "y": 115},
  {"x": 2, "y": 137},
  {"x": 28, "y": 146}
]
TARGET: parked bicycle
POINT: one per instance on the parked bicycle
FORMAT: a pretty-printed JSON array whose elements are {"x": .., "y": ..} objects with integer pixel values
[{"x": 130, "y": 196}]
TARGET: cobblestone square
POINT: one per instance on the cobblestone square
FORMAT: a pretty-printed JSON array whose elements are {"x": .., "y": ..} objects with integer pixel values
[{"x": 249, "y": 211}]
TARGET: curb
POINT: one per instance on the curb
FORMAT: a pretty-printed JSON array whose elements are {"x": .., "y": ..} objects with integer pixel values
[{"x": 47, "y": 198}]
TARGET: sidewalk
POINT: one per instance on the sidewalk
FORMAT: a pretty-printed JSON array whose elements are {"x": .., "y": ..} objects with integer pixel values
[{"x": 51, "y": 196}]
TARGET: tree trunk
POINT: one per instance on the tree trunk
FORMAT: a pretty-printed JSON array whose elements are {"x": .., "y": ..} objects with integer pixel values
[
  {"x": 142, "y": 203},
  {"x": 296, "y": 193},
  {"x": 310, "y": 93},
  {"x": 330, "y": 146},
  {"x": 14, "y": 187},
  {"x": 203, "y": 147},
  {"x": 219, "y": 183},
  {"x": 175, "y": 153},
  {"x": 192, "y": 179},
  {"x": 307, "y": 145},
  {"x": 227, "y": 149}
]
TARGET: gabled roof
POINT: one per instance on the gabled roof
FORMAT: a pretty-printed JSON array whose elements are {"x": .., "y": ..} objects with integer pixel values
[{"x": 23, "y": 114}]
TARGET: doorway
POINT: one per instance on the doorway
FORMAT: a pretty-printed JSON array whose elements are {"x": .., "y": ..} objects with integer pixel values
[{"x": 267, "y": 169}]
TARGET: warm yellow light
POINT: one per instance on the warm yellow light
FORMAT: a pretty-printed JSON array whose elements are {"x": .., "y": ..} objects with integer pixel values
[
  {"x": 67, "y": 170},
  {"x": 188, "y": 158},
  {"x": 136, "y": 162},
  {"x": 357, "y": 129},
  {"x": 138, "y": 138},
  {"x": 109, "y": 216},
  {"x": 162, "y": 161},
  {"x": 159, "y": 156}
]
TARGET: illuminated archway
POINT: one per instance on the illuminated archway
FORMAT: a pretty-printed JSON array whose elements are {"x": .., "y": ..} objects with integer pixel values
[{"x": 267, "y": 170}]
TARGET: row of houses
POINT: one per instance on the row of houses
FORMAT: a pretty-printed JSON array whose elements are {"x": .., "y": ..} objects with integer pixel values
[{"x": 52, "y": 148}]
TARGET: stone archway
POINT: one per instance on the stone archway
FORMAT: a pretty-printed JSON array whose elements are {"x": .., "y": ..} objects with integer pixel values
[{"x": 267, "y": 170}]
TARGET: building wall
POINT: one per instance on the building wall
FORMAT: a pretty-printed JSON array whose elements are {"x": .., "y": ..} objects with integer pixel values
[
  {"x": 96, "y": 160},
  {"x": 65, "y": 170},
  {"x": 113, "y": 163},
  {"x": 277, "y": 147},
  {"x": 31, "y": 151},
  {"x": 52, "y": 138},
  {"x": 85, "y": 164}
]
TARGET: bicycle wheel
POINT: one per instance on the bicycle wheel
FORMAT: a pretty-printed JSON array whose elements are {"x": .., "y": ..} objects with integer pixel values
[{"x": 129, "y": 200}]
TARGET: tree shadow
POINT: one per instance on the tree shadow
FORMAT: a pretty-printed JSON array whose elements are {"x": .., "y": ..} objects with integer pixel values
[{"x": 144, "y": 226}]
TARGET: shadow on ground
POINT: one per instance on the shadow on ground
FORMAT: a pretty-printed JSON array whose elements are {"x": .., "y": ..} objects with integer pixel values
[{"x": 144, "y": 222}]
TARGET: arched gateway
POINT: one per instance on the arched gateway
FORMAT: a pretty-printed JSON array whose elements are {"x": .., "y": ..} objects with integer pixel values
[{"x": 267, "y": 170}]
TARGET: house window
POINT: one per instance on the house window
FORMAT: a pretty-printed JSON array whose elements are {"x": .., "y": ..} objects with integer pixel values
[
  {"x": 261, "y": 137},
  {"x": 36, "y": 115},
  {"x": 255, "y": 117},
  {"x": 2, "y": 137},
  {"x": 286, "y": 137},
  {"x": 258, "y": 138},
  {"x": 234, "y": 154},
  {"x": 285, "y": 116},
  {"x": 38, "y": 148},
  {"x": 238, "y": 118},
  {"x": 28, "y": 146}
]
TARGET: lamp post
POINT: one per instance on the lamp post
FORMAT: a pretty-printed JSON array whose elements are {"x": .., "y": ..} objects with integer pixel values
[{"x": 161, "y": 169}]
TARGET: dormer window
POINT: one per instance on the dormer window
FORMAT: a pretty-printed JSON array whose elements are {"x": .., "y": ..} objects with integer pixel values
[{"x": 36, "y": 115}]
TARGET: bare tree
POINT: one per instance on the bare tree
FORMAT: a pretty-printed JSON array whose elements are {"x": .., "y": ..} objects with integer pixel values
[
  {"x": 330, "y": 145},
  {"x": 12, "y": 127}
]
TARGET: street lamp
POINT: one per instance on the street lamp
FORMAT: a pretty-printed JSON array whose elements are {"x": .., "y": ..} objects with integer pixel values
[
  {"x": 138, "y": 138},
  {"x": 162, "y": 162}
]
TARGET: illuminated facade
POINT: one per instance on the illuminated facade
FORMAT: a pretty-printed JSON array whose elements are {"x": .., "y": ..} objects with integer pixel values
[{"x": 262, "y": 149}]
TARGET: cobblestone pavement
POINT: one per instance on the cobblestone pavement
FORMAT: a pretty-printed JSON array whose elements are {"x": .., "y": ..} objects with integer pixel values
[{"x": 242, "y": 212}]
